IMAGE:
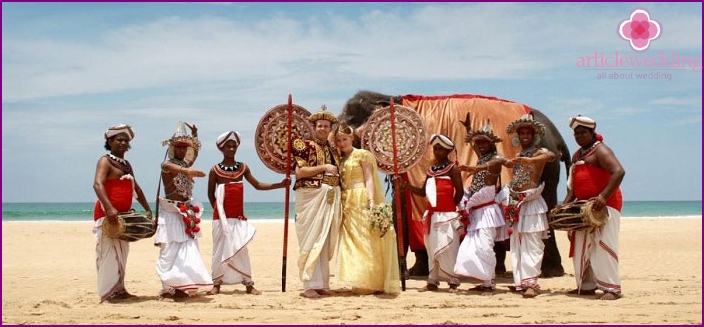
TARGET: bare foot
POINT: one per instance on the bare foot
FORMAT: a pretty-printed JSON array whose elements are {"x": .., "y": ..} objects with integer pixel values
[
  {"x": 515, "y": 289},
  {"x": 429, "y": 287},
  {"x": 483, "y": 289},
  {"x": 453, "y": 288},
  {"x": 253, "y": 291},
  {"x": 608, "y": 296},
  {"x": 323, "y": 292},
  {"x": 362, "y": 291},
  {"x": 180, "y": 294},
  {"x": 582, "y": 292},
  {"x": 311, "y": 294},
  {"x": 123, "y": 295},
  {"x": 530, "y": 293},
  {"x": 214, "y": 290}
]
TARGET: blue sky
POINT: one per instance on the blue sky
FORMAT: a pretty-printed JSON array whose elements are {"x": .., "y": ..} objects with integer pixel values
[{"x": 70, "y": 70}]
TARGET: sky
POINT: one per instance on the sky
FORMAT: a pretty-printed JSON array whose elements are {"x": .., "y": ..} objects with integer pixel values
[{"x": 71, "y": 70}]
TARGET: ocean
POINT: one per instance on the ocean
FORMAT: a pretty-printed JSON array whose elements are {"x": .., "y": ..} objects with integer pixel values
[{"x": 274, "y": 211}]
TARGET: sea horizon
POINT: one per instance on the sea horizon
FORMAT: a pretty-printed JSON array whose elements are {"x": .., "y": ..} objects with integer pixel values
[{"x": 274, "y": 211}]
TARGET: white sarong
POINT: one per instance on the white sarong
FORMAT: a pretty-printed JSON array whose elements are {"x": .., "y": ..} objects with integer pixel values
[
  {"x": 527, "y": 247},
  {"x": 596, "y": 256},
  {"x": 442, "y": 245},
  {"x": 318, "y": 221},
  {"x": 231, "y": 264},
  {"x": 179, "y": 266},
  {"x": 476, "y": 258},
  {"x": 110, "y": 261}
]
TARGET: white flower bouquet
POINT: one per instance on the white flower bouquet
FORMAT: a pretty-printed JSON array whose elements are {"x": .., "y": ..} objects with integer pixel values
[{"x": 380, "y": 219}]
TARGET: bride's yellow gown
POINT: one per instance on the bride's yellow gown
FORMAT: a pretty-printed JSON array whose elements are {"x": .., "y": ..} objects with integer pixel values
[{"x": 367, "y": 262}]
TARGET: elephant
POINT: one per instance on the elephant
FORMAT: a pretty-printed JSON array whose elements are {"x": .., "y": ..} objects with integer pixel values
[{"x": 442, "y": 114}]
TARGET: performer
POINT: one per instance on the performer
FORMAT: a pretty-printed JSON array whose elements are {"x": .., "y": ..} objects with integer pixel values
[
  {"x": 476, "y": 258},
  {"x": 443, "y": 189},
  {"x": 115, "y": 185},
  {"x": 367, "y": 261},
  {"x": 231, "y": 231},
  {"x": 530, "y": 224},
  {"x": 595, "y": 175},
  {"x": 317, "y": 204},
  {"x": 180, "y": 266}
]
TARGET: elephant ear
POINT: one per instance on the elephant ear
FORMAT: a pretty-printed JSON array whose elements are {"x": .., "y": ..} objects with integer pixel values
[{"x": 468, "y": 126}]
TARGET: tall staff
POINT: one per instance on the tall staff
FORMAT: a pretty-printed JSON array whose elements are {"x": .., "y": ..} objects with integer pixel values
[
  {"x": 289, "y": 128},
  {"x": 399, "y": 218}
]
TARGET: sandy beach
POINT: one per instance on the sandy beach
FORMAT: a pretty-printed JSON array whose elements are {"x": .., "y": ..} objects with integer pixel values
[{"x": 49, "y": 277}]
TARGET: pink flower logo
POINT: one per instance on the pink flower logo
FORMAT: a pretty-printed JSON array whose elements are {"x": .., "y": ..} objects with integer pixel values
[{"x": 639, "y": 30}]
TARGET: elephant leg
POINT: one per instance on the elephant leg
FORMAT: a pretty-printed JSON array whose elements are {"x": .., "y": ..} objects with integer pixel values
[
  {"x": 420, "y": 268},
  {"x": 552, "y": 262},
  {"x": 500, "y": 251}
]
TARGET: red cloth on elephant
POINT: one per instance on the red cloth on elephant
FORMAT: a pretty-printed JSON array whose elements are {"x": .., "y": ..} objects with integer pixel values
[
  {"x": 442, "y": 115},
  {"x": 233, "y": 203},
  {"x": 415, "y": 226},
  {"x": 589, "y": 180},
  {"x": 119, "y": 193}
]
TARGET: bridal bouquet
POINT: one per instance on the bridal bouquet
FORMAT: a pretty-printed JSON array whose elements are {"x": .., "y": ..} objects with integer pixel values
[{"x": 380, "y": 219}]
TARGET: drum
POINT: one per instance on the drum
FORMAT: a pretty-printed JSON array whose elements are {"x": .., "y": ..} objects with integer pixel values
[
  {"x": 576, "y": 215},
  {"x": 131, "y": 226}
]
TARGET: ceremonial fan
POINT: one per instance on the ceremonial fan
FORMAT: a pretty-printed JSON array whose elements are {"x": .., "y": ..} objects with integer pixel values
[{"x": 275, "y": 132}]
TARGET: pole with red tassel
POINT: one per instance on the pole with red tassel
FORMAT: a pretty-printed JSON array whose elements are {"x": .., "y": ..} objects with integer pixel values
[
  {"x": 397, "y": 199},
  {"x": 289, "y": 130}
]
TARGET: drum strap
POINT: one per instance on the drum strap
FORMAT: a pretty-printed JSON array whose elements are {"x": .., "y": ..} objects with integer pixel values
[{"x": 158, "y": 190}]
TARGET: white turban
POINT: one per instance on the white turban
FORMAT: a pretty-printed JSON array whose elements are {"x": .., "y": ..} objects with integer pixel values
[
  {"x": 442, "y": 140},
  {"x": 230, "y": 135},
  {"x": 119, "y": 128},
  {"x": 582, "y": 121}
]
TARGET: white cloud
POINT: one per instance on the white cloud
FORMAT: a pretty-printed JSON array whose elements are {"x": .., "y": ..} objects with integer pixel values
[
  {"x": 673, "y": 101},
  {"x": 436, "y": 41}
]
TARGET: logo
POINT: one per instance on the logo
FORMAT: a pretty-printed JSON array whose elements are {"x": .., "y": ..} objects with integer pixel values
[{"x": 639, "y": 30}]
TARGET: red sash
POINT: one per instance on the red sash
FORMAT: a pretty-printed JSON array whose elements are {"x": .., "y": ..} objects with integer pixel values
[
  {"x": 479, "y": 206},
  {"x": 588, "y": 181},
  {"x": 233, "y": 202},
  {"x": 119, "y": 193}
]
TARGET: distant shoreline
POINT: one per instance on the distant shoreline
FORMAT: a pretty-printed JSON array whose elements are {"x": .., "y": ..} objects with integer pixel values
[
  {"x": 292, "y": 202},
  {"x": 280, "y": 221}
]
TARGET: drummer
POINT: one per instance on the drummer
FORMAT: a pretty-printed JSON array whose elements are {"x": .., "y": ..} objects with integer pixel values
[
  {"x": 531, "y": 225},
  {"x": 595, "y": 175},
  {"x": 114, "y": 185},
  {"x": 180, "y": 266}
]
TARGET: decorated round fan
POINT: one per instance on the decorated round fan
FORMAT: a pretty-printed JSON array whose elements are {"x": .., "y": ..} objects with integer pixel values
[
  {"x": 411, "y": 138},
  {"x": 271, "y": 138}
]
